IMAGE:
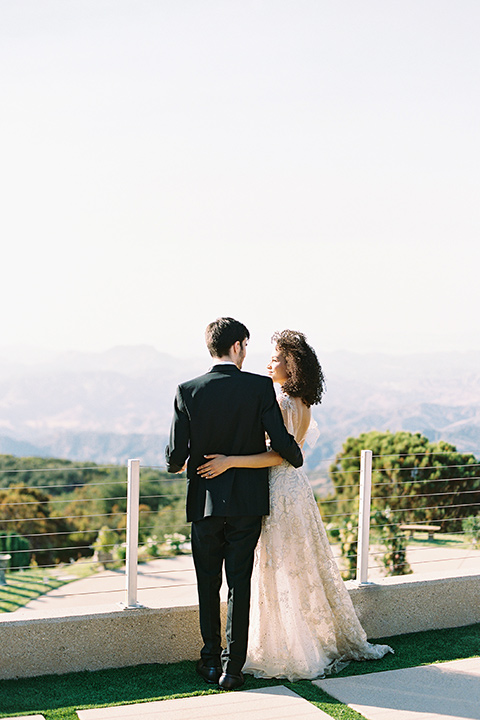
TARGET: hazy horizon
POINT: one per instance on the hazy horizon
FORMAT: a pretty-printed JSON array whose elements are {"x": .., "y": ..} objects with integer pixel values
[
  {"x": 12, "y": 352},
  {"x": 103, "y": 406}
]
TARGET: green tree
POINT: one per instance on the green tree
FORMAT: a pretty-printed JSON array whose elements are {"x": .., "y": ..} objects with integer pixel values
[
  {"x": 417, "y": 480},
  {"x": 26, "y": 512},
  {"x": 52, "y": 474}
]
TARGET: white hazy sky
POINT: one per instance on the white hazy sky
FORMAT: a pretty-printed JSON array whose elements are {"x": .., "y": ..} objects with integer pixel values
[{"x": 312, "y": 164}]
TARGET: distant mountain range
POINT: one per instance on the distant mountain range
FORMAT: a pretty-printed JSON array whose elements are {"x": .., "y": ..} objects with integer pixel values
[{"x": 107, "y": 407}]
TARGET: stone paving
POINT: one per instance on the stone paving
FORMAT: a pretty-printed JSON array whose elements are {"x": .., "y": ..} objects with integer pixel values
[
  {"x": 273, "y": 703},
  {"x": 445, "y": 691}
]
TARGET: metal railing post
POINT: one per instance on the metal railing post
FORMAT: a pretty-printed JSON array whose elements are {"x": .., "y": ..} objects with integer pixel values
[
  {"x": 364, "y": 516},
  {"x": 133, "y": 501}
]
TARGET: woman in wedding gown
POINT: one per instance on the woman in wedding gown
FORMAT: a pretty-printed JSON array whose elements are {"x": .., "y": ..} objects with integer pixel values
[{"x": 302, "y": 620}]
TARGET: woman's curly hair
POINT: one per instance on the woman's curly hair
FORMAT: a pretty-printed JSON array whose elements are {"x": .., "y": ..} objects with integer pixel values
[{"x": 305, "y": 376}]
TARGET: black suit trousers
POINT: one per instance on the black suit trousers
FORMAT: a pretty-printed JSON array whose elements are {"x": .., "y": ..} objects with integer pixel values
[{"x": 215, "y": 541}]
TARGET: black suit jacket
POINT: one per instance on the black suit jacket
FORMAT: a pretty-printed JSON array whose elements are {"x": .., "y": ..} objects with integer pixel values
[{"x": 227, "y": 411}]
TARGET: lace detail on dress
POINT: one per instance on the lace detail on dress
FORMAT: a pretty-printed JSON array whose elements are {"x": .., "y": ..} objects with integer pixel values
[{"x": 302, "y": 620}]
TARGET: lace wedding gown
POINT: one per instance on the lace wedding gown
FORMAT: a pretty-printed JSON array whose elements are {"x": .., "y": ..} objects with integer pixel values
[{"x": 302, "y": 620}]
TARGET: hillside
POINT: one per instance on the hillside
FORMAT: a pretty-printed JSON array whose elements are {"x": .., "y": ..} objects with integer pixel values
[{"x": 110, "y": 406}]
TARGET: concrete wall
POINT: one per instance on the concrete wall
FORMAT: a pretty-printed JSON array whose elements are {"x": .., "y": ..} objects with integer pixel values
[
  {"x": 413, "y": 603},
  {"x": 394, "y": 606}
]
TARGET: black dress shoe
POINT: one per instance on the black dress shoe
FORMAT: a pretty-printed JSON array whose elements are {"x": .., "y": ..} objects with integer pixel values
[
  {"x": 231, "y": 682},
  {"x": 210, "y": 674}
]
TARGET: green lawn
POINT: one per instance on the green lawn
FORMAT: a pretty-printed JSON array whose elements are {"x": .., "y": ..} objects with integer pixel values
[
  {"x": 421, "y": 538},
  {"x": 25, "y": 585},
  {"x": 58, "y": 696},
  {"x": 439, "y": 540}
]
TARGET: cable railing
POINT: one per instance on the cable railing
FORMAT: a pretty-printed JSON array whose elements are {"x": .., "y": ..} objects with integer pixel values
[
  {"x": 36, "y": 513},
  {"x": 441, "y": 514},
  {"x": 134, "y": 500}
]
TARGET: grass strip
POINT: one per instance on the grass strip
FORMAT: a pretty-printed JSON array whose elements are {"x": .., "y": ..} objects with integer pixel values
[
  {"x": 25, "y": 585},
  {"x": 57, "y": 697}
]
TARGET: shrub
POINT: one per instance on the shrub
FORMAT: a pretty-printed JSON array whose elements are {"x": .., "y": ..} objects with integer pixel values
[
  {"x": 19, "y": 549},
  {"x": 471, "y": 528},
  {"x": 348, "y": 534},
  {"x": 395, "y": 541}
]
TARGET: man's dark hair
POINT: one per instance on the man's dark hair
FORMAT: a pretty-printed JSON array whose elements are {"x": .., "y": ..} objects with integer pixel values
[{"x": 222, "y": 333}]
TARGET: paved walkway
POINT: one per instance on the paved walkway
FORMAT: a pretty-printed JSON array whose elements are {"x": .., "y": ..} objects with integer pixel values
[
  {"x": 274, "y": 703},
  {"x": 170, "y": 582},
  {"x": 446, "y": 691}
]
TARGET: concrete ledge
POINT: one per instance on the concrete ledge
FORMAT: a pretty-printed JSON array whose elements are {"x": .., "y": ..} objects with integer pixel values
[
  {"x": 92, "y": 642},
  {"x": 412, "y": 603},
  {"x": 121, "y": 638}
]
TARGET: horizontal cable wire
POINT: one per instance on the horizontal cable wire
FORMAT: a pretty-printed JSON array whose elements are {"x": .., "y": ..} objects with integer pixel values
[
  {"x": 108, "y": 592},
  {"x": 420, "y": 468},
  {"x": 338, "y": 487},
  {"x": 325, "y": 461},
  {"x": 350, "y": 470},
  {"x": 64, "y": 469},
  {"x": 65, "y": 502},
  {"x": 63, "y": 517},
  {"x": 422, "y": 562},
  {"x": 436, "y": 453},
  {"x": 339, "y": 500},
  {"x": 92, "y": 530},
  {"x": 417, "y": 550},
  {"x": 86, "y": 484},
  {"x": 58, "y": 565},
  {"x": 432, "y": 494},
  {"x": 168, "y": 497},
  {"x": 401, "y": 468},
  {"x": 63, "y": 487},
  {"x": 164, "y": 572},
  {"x": 423, "y": 482},
  {"x": 67, "y": 532},
  {"x": 94, "y": 499},
  {"x": 402, "y": 537},
  {"x": 52, "y": 549},
  {"x": 433, "y": 507},
  {"x": 420, "y": 522},
  {"x": 120, "y": 572},
  {"x": 76, "y": 547}
]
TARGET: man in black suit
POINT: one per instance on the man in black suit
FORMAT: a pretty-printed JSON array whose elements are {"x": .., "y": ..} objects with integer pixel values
[{"x": 226, "y": 411}]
